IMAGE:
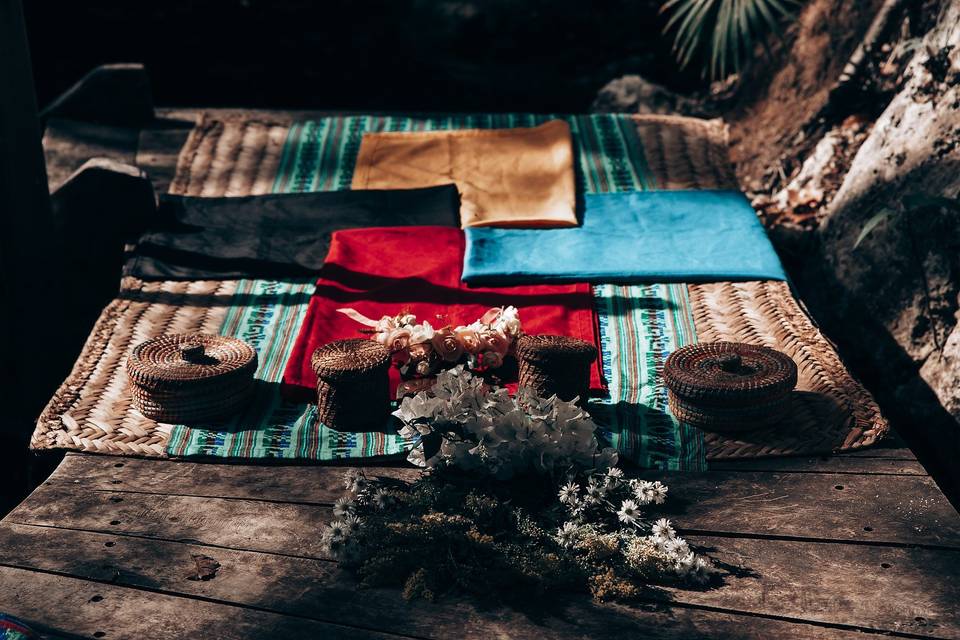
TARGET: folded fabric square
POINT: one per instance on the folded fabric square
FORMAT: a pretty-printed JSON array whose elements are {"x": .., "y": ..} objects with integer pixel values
[
  {"x": 385, "y": 271},
  {"x": 273, "y": 236},
  {"x": 649, "y": 236},
  {"x": 522, "y": 177}
]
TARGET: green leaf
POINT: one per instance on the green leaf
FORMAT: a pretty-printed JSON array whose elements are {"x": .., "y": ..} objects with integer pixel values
[
  {"x": 722, "y": 33},
  {"x": 871, "y": 225}
]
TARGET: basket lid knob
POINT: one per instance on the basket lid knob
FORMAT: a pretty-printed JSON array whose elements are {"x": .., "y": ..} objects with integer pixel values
[
  {"x": 192, "y": 352},
  {"x": 730, "y": 362}
]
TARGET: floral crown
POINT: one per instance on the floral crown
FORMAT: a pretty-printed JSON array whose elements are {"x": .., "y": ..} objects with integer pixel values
[{"x": 422, "y": 350}]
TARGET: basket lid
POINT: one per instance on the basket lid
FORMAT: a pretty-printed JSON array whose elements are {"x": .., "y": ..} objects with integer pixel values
[
  {"x": 547, "y": 349},
  {"x": 349, "y": 358},
  {"x": 729, "y": 372},
  {"x": 180, "y": 360}
]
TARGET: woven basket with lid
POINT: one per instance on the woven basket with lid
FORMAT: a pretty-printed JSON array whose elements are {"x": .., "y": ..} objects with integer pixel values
[
  {"x": 555, "y": 365},
  {"x": 353, "y": 384},
  {"x": 191, "y": 377},
  {"x": 729, "y": 386}
]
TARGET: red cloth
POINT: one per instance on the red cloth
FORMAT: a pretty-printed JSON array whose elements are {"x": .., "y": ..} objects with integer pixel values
[{"x": 383, "y": 271}]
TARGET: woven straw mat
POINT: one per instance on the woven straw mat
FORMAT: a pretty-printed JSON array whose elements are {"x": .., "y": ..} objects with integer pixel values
[{"x": 92, "y": 410}]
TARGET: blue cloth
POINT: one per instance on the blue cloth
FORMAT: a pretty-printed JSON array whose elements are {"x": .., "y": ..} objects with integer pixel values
[{"x": 633, "y": 237}]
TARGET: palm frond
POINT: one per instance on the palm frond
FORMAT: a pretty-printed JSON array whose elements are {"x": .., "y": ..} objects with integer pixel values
[{"x": 722, "y": 33}]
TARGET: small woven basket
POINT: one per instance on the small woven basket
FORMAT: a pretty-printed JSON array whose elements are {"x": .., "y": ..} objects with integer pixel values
[
  {"x": 555, "y": 365},
  {"x": 185, "y": 378},
  {"x": 729, "y": 386},
  {"x": 353, "y": 385}
]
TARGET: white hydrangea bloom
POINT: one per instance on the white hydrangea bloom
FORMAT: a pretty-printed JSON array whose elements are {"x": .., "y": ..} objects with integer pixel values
[{"x": 503, "y": 434}]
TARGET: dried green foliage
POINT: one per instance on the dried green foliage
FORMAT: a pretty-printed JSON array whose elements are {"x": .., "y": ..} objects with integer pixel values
[{"x": 449, "y": 533}]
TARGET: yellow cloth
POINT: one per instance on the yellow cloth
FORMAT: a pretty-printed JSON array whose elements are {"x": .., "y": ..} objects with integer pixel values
[{"x": 506, "y": 177}]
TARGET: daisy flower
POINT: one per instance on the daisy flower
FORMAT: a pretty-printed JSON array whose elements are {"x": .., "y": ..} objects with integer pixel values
[
  {"x": 343, "y": 507},
  {"x": 659, "y": 492},
  {"x": 337, "y": 530},
  {"x": 354, "y": 480},
  {"x": 677, "y": 547},
  {"x": 662, "y": 529},
  {"x": 629, "y": 512},
  {"x": 569, "y": 493},
  {"x": 701, "y": 571},
  {"x": 614, "y": 476},
  {"x": 594, "y": 491},
  {"x": 684, "y": 564},
  {"x": 381, "y": 499},
  {"x": 644, "y": 492},
  {"x": 351, "y": 522},
  {"x": 567, "y": 534}
]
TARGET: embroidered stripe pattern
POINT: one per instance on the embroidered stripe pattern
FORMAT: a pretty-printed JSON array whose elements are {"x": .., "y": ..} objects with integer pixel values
[
  {"x": 319, "y": 155},
  {"x": 267, "y": 314},
  {"x": 640, "y": 325}
]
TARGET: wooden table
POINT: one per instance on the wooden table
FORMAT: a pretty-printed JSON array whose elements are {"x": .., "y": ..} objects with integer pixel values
[
  {"x": 823, "y": 547},
  {"x": 815, "y": 548}
]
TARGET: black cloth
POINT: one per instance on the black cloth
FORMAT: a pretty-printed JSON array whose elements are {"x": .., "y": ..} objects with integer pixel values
[{"x": 273, "y": 236}]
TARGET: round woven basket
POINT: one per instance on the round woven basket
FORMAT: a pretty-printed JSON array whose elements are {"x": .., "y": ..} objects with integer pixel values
[
  {"x": 353, "y": 386},
  {"x": 729, "y": 386},
  {"x": 555, "y": 365},
  {"x": 191, "y": 377}
]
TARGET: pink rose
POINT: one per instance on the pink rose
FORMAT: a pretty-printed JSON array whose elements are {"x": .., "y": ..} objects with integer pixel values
[
  {"x": 495, "y": 341},
  {"x": 447, "y": 344},
  {"x": 420, "y": 351},
  {"x": 470, "y": 340},
  {"x": 491, "y": 316},
  {"x": 491, "y": 359},
  {"x": 398, "y": 340}
]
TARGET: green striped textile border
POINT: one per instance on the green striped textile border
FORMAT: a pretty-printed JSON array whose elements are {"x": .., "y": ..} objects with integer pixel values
[
  {"x": 268, "y": 314},
  {"x": 319, "y": 155},
  {"x": 640, "y": 325}
]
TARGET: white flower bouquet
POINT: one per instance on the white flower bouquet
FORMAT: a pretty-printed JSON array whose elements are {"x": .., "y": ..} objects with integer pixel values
[
  {"x": 608, "y": 511},
  {"x": 464, "y": 423}
]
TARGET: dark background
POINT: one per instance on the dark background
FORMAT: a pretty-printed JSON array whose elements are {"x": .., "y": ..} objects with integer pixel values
[{"x": 487, "y": 55}]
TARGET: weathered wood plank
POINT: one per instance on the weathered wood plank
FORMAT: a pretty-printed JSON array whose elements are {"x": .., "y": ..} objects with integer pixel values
[
  {"x": 869, "y": 508},
  {"x": 319, "y": 591},
  {"x": 72, "y": 607},
  {"x": 892, "y": 452},
  {"x": 274, "y": 527},
  {"x": 908, "y": 590},
  {"x": 824, "y": 464},
  {"x": 864, "y": 508},
  {"x": 310, "y": 484}
]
